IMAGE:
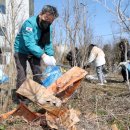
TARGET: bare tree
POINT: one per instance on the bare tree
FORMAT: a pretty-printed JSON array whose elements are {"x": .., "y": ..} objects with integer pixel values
[
  {"x": 76, "y": 31},
  {"x": 11, "y": 21},
  {"x": 119, "y": 9}
]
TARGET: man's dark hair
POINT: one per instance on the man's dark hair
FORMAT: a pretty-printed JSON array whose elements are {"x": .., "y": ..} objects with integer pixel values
[
  {"x": 123, "y": 43},
  {"x": 51, "y": 9},
  {"x": 90, "y": 47},
  {"x": 70, "y": 57}
]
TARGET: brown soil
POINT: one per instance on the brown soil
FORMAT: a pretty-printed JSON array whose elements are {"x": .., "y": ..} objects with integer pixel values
[{"x": 100, "y": 107}]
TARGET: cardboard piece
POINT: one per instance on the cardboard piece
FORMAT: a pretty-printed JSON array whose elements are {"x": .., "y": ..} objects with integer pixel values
[
  {"x": 67, "y": 79},
  {"x": 6, "y": 115},
  {"x": 39, "y": 94},
  {"x": 63, "y": 88},
  {"x": 23, "y": 111}
]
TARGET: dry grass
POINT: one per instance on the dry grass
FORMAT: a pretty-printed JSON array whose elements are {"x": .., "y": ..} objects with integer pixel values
[{"x": 100, "y": 106}]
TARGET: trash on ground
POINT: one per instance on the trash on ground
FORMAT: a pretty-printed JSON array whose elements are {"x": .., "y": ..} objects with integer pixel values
[
  {"x": 3, "y": 77},
  {"x": 50, "y": 75},
  {"x": 52, "y": 99}
]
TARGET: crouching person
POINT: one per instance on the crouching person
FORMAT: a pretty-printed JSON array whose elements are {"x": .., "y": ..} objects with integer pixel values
[
  {"x": 74, "y": 57},
  {"x": 124, "y": 57},
  {"x": 96, "y": 55},
  {"x": 34, "y": 43},
  {"x": 125, "y": 67}
]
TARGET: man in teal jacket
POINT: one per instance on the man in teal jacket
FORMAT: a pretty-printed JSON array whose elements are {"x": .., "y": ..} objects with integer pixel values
[{"x": 33, "y": 43}]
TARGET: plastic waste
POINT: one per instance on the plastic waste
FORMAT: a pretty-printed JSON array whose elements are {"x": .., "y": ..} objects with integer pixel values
[
  {"x": 50, "y": 75},
  {"x": 128, "y": 66},
  {"x": 3, "y": 77},
  {"x": 125, "y": 65}
]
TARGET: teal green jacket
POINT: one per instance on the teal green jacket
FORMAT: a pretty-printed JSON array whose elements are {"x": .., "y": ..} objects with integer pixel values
[{"x": 27, "y": 40}]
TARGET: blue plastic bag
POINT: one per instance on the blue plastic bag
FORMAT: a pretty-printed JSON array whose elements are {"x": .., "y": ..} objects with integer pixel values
[
  {"x": 126, "y": 66},
  {"x": 3, "y": 78},
  {"x": 50, "y": 75}
]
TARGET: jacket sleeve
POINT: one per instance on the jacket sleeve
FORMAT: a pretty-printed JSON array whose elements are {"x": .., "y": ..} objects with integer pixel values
[
  {"x": 48, "y": 48},
  {"x": 92, "y": 56},
  {"x": 30, "y": 42}
]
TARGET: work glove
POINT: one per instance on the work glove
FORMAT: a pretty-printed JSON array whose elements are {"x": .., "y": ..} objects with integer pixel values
[
  {"x": 122, "y": 63},
  {"x": 48, "y": 60}
]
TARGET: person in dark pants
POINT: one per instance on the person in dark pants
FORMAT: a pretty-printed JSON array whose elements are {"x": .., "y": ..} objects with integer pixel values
[
  {"x": 124, "y": 48},
  {"x": 34, "y": 43},
  {"x": 74, "y": 57}
]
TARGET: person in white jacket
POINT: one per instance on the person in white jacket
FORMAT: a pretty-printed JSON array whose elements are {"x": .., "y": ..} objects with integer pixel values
[{"x": 96, "y": 55}]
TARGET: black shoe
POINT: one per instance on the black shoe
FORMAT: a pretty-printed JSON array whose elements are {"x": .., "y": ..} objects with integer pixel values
[
  {"x": 25, "y": 101},
  {"x": 124, "y": 81},
  {"x": 16, "y": 101},
  {"x": 19, "y": 98}
]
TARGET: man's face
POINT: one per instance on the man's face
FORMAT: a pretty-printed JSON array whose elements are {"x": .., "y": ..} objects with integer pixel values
[
  {"x": 45, "y": 20},
  {"x": 46, "y": 17}
]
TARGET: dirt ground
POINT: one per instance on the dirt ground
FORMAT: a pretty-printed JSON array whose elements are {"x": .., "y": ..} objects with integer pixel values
[{"x": 101, "y": 107}]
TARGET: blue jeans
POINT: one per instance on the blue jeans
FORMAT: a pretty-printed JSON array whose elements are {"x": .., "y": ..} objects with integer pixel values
[{"x": 100, "y": 74}]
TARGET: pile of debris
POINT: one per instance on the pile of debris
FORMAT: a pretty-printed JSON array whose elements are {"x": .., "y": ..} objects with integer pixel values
[{"x": 52, "y": 100}]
